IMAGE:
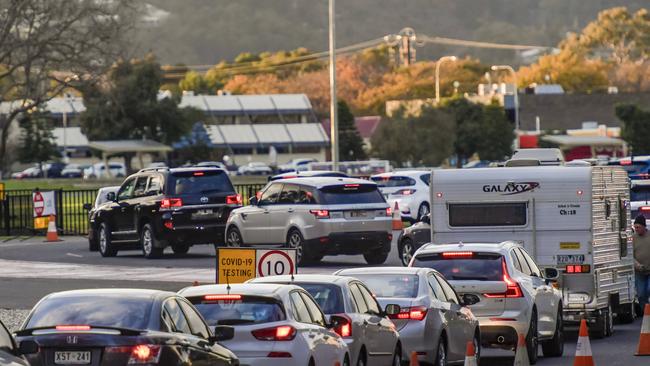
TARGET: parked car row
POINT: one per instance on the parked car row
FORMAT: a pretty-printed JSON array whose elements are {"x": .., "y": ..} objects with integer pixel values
[{"x": 62, "y": 170}]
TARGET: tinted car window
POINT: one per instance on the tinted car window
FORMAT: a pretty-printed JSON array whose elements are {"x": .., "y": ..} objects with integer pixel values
[
  {"x": 140, "y": 187},
  {"x": 178, "y": 318},
  {"x": 329, "y": 297},
  {"x": 6, "y": 342},
  {"x": 126, "y": 191},
  {"x": 306, "y": 196},
  {"x": 487, "y": 214},
  {"x": 426, "y": 178},
  {"x": 196, "y": 323},
  {"x": 478, "y": 267},
  {"x": 199, "y": 182},
  {"x": 271, "y": 195},
  {"x": 110, "y": 311},
  {"x": 435, "y": 287},
  {"x": 351, "y": 194},
  {"x": 373, "y": 307},
  {"x": 393, "y": 181},
  {"x": 300, "y": 308},
  {"x": 450, "y": 294},
  {"x": 247, "y": 310},
  {"x": 362, "y": 308},
  {"x": 640, "y": 193},
  {"x": 316, "y": 315},
  {"x": 391, "y": 285},
  {"x": 155, "y": 185},
  {"x": 289, "y": 195}
]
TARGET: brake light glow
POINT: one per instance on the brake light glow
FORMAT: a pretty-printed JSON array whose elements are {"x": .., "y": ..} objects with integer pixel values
[
  {"x": 412, "y": 313},
  {"x": 454, "y": 255},
  {"x": 645, "y": 208},
  {"x": 198, "y": 174},
  {"x": 344, "y": 329},
  {"x": 351, "y": 186},
  {"x": 578, "y": 268},
  {"x": 169, "y": 224},
  {"x": 626, "y": 161},
  {"x": 320, "y": 214},
  {"x": 171, "y": 202},
  {"x": 389, "y": 211},
  {"x": 234, "y": 199},
  {"x": 513, "y": 290},
  {"x": 73, "y": 328},
  {"x": 145, "y": 354},
  {"x": 439, "y": 194},
  {"x": 221, "y": 297},
  {"x": 281, "y": 333}
]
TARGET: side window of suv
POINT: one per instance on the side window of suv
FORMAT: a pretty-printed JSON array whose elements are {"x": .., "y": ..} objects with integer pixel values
[
  {"x": 534, "y": 270},
  {"x": 306, "y": 196},
  {"x": 140, "y": 186},
  {"x": 155, "y": 186},
  {"x": 270, "y": 196},
  {"x": 289, "y": 194},
  {"x": 126, "y": 191},
  {"x": 525, "y": 269}
]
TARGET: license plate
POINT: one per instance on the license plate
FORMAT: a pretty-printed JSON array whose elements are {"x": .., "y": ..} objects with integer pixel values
[
  {"x": 358, "y": 214},
  {"x": 571, "y": 259},
  {"x": 72, "y": 358},
  {"x": 203, "y": 213}
]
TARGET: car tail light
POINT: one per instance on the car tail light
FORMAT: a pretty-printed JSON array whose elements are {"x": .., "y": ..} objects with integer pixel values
[
  {"x": 457, "y": 255},
  {"x": 144, "y": 354},
  {"x": 234, "y": 199},
  {"x": 626, "y": 161},
  {"x": 513, "y": 290},
  {"x": 320, "y": 214},
  {"x": 281, "y": 333},
  {"x": 645, "y": 208},
  {"x": 279, "y": 355},
  {"x": 73, "y": 328},
  {"x": 171, "y": 202},
  {"x": 222, "y": 297},
  {"x": 389, "y": 211},
  {"x": 344, "y": 327},
  {"x": 198, "y": 174},
  {"x": 412, "y": 313},
  {"x": 289, "y": 176},
  {"x": 169, "y": 224},
  {"x": 404, "y": 192},
  {"x": 578, "y": 268}
]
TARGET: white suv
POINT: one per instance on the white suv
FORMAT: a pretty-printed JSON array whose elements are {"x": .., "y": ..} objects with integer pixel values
[
  {"x": 410, "y": 189},
  {"x": 516, "y": 297},
  {"x": 316, "y": 216}
]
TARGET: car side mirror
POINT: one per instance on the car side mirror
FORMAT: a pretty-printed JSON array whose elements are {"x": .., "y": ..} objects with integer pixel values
[
  {"x": 253, "y": 201},
  {"x": 336, "y": 321},
  {"x": 223, "y": 333},
  {"x": 551, "y": 274},
  {"x": 470, "y": 299},
  {"x": 87, "y": 206},
  {"x": 28, "y": 347},
  {"x": 111, "y": 196},
  {"x": 392, "y": 309},
  {"x": 427, "y": 219}
]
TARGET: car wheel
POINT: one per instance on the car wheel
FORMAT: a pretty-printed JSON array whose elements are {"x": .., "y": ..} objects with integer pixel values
[
  {"x": 627, "y": 314},
  {"x": 477, "y": 347},
  {"x": 295, "y": 241},
  {"x": 407, "y": 251},
  {"x": 346, "y": 360},
  {"x": 423, "y": 211},
  {"x": 604, "y": 324},
  {"x": 148, "y": 242},
  {"x": 375, "y": 258},
  {"x": 106, "y": 247},
  {"x": 234, "y": 239},
  {"x": 397, "y": 356},
  {"x": 532, "y": 340},
  {"x": 180, "y": 248},
  {"x": 609, "y": 321},
  {"x": 441, "y": 353},
  {"x": 93, "y": 244},
  {"x": 555, "y": 346},
  {"x": 361, "y": 361}
]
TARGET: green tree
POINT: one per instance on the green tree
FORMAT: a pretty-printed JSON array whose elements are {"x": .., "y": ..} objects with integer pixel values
[
  {"x": 497, "y": 134},
  {"x": 36, "y": 141},
  {"x": 350, "y": 141},
  {"x": 635, "y": 129}
]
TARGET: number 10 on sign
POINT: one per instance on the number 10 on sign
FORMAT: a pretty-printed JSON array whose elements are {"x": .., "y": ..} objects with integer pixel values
[{"x": 276, "y": 262}]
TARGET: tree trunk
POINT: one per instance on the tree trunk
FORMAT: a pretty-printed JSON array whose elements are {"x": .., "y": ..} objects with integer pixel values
[{"x": 459, "y": 161}]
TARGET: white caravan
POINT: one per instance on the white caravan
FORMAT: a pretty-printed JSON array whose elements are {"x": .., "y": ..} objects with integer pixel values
[{"x": 573, "y": 218}]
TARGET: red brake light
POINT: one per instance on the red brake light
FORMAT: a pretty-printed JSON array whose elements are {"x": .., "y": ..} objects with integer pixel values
[
  {"x": 73, "y": 328},
  {"x": 320, "y": 214},
  {"x": 626, "y": 161},
  {"x": 645, "y": 208},
  {"x": 454, "y": 255},
  {"x": 234, "y": 199},
  {"x": 351, "y": 186},
  {"x": 281, "y": 333},
  {"x": 171, "y": 202},
  {"x": 578, "y": 268},
  {"x": 512, "y": 290},
  {"x": 198, "y": 174},
  {"x": 145, "y": 354},
  {"x": 221, "y": 297},
  {"x": 412, "y": 313},
  {"x": 344, "y": 327},
  {"x": 389, "y": 211}
]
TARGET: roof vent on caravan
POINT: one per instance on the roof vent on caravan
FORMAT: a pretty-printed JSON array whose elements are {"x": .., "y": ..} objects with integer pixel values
[
  {"x": 581, "y": 162},
  {"x": 550, "y": 156},
  {"x": 522, "y": 162}
]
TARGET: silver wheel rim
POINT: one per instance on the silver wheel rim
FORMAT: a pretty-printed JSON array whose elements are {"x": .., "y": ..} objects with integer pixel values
[
  {"x": 295, "y": 242},
  {"x": 423, "y": 211},
  {"x": 102, "y": 240},
  {"x": 442, "y": 355},
  {"x": 407, "y": 253},
  {"x": 146, "y": 241},
  {"x": 233, "y": 239}
]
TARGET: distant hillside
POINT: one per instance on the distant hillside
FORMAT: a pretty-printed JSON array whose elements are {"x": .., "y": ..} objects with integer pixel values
[{"x": 207, "y": 31}]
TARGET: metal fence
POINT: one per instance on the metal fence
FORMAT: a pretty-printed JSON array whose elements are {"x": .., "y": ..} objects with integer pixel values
[{"x": 17, "y": 209}]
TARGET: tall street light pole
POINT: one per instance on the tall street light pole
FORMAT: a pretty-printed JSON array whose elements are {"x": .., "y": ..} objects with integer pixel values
[
  {"x": 334, "y": 120},
  {"x": 440, "y": 61},
  {"x": 514, "y": 75}
]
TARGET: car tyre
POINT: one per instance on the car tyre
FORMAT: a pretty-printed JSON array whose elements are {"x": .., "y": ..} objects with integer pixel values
[
  {"x": 375, "y": 258},
  {"x": 233, "y": 238},
  {"x": 346, "y": 360},
  {"x": 397, "y": 356},
  {"x": 297, "y": 242},
  {"x": 180, "y": 248},
  {"x": 106, "y": 246},
  {"x": 93, "y": 244},
  {"x": 406, "y": 251},
  {"x": 555, "y": 346},
  {"x": 477, "y": 347},
  {"x": 627, "y": 314},
  {"x": 423, "y": 210},
  {"x": 362, "y": 360},
  {"x": 532, "y": 340},
  {"x": 441, "y": 353},
  {"x": 148, "y": 241},
  {"x": 605, "y": 324}
]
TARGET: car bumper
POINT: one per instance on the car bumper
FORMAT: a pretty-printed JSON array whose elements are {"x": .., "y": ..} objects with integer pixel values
[
  {"x": 351, "y": 243},
  {"x": 193, "y": 234},
  {"x": 502, "y": 330}
]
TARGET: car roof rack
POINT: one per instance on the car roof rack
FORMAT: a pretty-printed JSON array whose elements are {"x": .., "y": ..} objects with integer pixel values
[{"x": 160, "y": 168}]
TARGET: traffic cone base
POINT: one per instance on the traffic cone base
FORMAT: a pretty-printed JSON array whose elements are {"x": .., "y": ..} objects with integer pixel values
[
  {"x": 521, "y": 354},
  {"x": 52, "y": 234},
  {"x": 414, "y": 359},
  {"x": 584, "y": 356},
  {"x": 397, "y": 218},
  {"x": 644, "y": 340},
  {"x": 470, "y": 355}
]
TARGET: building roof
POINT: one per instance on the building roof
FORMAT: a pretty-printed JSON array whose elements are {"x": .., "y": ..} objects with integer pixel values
[
  {"x": 572, "y": 141},
  {"x": 248, "y": 104},
  {"x": 122, "y": 146},
  {"x": 73, "y": 137},
  {"x": 366, "y": 125},
  {"x": 262, "y": 135}
]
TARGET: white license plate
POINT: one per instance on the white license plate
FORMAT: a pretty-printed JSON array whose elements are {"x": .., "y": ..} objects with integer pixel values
[
  {"x": 358, "y": 214},
  {"x": 571, "y": 259},
  {"x": 203, "y": 214},
  {"x": 72, "y": 358}
]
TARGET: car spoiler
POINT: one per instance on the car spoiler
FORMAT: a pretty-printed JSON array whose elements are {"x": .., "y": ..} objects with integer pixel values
[{"x": 122, "y": 331}]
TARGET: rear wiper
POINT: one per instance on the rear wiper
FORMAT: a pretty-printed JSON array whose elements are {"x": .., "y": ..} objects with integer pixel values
[
  {"x": 123, "y": 331},
  {"x": 477, "y": 278},
  {"x": 234, "y": 321}
]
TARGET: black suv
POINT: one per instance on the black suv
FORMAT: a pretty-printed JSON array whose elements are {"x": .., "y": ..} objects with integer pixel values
[{"x": 161, "y": 207}]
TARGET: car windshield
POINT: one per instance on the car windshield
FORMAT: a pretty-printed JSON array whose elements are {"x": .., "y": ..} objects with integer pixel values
[
  {"x": 199, "y": 182},
  {"x": 390, "y": 285},
  {"x": 351, "y": 194},
  {"x": 640, "y": 193},
  {"x": 109, "y": 311},
  {"x": 457, "y": 267},
  {"x": 328, "y": 297},
  {"x": 634, "y": 168},
  {"x": 245, "y": 310},
  {"x": 393, "y": 181}
]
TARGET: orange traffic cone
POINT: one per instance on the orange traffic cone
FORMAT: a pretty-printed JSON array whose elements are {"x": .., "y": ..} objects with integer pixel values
[
  {"x": 52, "y": 234},
  {"x": 414, "y": 359},
  {"x": 470, "y": 355},
  {"x": 644, "y": 340},
  {"x": 583, "y": 349},
  {"x": 397, "y": 218},
  {"x": 521, "y": 354}
]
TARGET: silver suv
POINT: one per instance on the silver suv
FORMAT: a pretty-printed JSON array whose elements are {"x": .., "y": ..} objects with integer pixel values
[{"x": 317, "y": 217}]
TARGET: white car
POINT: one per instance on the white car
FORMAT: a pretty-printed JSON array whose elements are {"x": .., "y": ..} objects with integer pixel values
[
  {"x": 275, "y": 325},
  {"x": 516, "y": 297},
  {"x": 255, "y": 168},
  {"x": 98, "y": 170},
  {"x": 640, "y": 197},
  {"x": 409, "y": 189},
  {"x": 296, "y": 165}
]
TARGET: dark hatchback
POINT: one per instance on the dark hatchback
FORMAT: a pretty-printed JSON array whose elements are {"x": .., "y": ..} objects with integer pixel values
[
  {"x": 121, "y": 327},
  {"x": 161, "y": 207}
]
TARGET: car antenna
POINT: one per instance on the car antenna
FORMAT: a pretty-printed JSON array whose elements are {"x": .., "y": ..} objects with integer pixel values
[{"x": 460, "y": 244}]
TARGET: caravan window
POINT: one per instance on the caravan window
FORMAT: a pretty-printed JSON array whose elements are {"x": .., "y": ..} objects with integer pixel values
[{"x": 487, "y": 214}]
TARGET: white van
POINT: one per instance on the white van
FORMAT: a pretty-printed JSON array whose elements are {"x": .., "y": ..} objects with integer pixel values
[{"x": 573, "y": 218}]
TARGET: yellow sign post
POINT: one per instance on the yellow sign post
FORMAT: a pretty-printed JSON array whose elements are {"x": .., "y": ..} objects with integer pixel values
[{"x": 2, "y": 191}]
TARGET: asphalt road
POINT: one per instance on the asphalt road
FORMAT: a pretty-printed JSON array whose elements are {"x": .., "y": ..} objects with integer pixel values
[{"x": 30, "y": 269}]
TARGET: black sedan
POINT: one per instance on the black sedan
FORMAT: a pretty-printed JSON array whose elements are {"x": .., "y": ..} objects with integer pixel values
[
  {"x": 121, "y": 327},
  {"x": 412, "y": 238}
]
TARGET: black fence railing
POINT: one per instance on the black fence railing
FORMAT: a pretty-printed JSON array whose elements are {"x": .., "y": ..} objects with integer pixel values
[{"x": 17, "y": 209}]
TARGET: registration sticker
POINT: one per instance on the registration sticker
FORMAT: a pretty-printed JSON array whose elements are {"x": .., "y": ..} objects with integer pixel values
[
  {"x": 570, "y": 245},
  {"x": 571, "y": 259}
]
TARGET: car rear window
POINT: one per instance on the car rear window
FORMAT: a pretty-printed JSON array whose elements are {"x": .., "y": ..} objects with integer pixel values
[
  {"x": 199, "y": 182},
  {"x": 351, "y": 194},
  {"x": 634, "y": 168},
  {"x": 245, "y": 310},
  {"x": 460, "y": 266},
  {"x": 390, "y": 285},
  {"x": 640, "y": 193},
  {"x": 109, "y": 311},
  {"x": 329, "y": 297},
  {"x": 393, "y": 181}
]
